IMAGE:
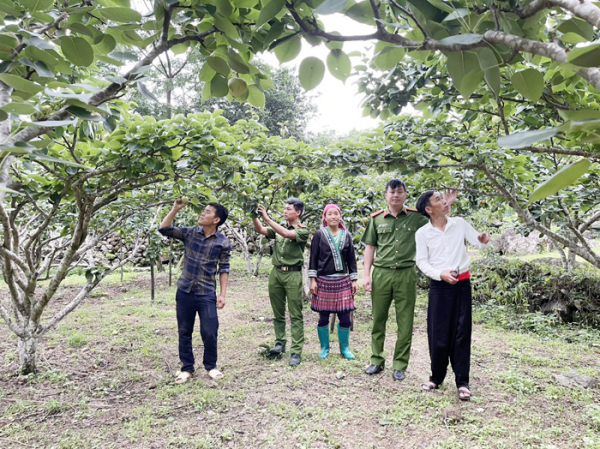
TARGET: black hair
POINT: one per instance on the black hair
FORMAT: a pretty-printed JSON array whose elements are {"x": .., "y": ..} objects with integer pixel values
[
  {"x": 423, "y": 202},
  {"x": 221, "y": 212},
  {"x": 298, "y": 204},
  {"x": 394, "y": 184}
]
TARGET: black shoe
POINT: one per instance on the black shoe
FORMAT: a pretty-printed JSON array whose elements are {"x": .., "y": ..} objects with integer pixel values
[
  {"x": 276, "y": 351},
  {"x": 374, "y": 369},
  {"x": 398, "y": 375},
  {"x": 295, "y": 360}
]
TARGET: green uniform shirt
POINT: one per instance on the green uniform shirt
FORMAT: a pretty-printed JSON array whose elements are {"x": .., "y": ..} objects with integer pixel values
[
  {"x": 287, "y": 251},
  {"x": 394, "y": 237}
]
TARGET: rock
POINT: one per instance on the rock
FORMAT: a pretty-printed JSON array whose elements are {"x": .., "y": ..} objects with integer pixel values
[
  {"x": 575, "y": 380},
  {"x": 452, "y": 414}
]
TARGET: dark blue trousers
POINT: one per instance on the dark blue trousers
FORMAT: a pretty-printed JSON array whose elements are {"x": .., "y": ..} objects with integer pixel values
[
  {"x": 449, "y": 325},
  {"x": 188, "y": 304}
]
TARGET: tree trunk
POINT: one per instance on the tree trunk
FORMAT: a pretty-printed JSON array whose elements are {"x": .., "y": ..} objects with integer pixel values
[{"x": 27, "y": 349}]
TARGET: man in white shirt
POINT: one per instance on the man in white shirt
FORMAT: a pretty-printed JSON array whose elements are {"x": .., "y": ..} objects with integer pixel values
[{"x": 442, "y": 256}]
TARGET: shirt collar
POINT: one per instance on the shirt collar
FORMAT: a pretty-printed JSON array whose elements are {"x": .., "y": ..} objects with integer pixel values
[{"x": 387, "y": 211}]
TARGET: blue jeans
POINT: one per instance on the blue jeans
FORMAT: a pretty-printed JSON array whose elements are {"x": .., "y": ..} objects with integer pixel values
[{"x": 188, "y": 304}]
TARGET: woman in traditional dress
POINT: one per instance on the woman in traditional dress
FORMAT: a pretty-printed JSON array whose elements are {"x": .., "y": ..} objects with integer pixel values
[{"x": 333, "y": 278}]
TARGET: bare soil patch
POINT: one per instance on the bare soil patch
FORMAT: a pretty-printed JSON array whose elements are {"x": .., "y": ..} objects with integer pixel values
[{"x": 107, "y": 372}]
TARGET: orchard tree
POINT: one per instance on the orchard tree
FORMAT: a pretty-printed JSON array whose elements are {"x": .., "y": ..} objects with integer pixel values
[{"x": 48, "y": 220}]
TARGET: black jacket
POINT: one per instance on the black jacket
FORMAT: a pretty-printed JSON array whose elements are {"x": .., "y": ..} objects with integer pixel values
[{"x": 321, "y": 257}]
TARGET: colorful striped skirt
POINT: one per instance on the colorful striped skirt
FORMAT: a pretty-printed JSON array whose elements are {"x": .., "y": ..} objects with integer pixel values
[{"x": 334, "y": 295}]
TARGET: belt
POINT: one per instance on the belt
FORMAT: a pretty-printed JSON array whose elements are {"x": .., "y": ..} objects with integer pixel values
[
  {"x": 289, "y": 268},
  {"x": 464, "y": 276}
]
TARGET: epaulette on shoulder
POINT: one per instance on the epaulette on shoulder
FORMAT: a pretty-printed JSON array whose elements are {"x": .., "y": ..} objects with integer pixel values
[
  {"x": 299, "y": 225},
  {"x": 411, "y": 209},
  {"x": 374, "y": 214}
]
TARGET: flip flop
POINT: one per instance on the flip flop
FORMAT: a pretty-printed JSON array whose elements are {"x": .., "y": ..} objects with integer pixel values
[
  {"x": 215, "y": 374},
  {"x": 464, "y": 394},
  {"x": 429, "y": 386},
  {"x": 183, "y": 377}
]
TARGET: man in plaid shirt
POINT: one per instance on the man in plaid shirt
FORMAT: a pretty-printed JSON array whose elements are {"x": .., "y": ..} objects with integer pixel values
[{"x": 207, "y": 252}]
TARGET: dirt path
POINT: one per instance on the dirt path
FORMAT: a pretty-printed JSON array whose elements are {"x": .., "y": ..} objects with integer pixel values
[{"x": 107, "y": 381}]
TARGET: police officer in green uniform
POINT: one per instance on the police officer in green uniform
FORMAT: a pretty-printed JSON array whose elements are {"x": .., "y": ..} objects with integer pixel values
[
  {"x": 391, "y": 250},
  {"x": 286, "y": 277}
]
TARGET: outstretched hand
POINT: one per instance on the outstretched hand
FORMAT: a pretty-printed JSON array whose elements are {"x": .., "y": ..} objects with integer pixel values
[
  {"x": 179, "y": 204},
  {"x": 450, "y": 196},
  {"x": 263, "y": 212}
]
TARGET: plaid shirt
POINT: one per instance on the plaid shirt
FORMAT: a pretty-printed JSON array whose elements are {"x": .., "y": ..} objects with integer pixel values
[{"x": 202, "y": 254}]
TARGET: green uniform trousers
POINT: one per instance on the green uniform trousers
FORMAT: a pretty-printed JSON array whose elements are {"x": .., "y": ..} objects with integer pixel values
[
  {"x": 281, "y": 285},
  {"x": 399, "y": 286}
]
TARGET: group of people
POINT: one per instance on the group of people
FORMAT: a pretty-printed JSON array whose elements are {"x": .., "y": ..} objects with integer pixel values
[{"x": 395, "y": 239}]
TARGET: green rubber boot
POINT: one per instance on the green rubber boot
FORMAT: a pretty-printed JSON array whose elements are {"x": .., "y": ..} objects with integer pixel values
[
  {"x": 344, "y": 337},
  {"x": 323, "y": 332}
]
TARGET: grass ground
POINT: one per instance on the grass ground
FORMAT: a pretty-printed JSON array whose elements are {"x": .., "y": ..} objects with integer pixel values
[{"x": 106, "y": 381}]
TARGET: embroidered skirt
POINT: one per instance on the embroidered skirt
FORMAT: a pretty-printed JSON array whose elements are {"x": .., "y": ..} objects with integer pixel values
[{"x": 334, "y": 295}]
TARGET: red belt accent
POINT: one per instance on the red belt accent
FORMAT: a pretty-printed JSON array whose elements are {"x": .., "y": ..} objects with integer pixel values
[{"x": 464, "y": 276}]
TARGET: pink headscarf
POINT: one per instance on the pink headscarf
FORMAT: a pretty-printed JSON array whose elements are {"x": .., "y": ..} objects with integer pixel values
[{"x": 332, "y": 206}]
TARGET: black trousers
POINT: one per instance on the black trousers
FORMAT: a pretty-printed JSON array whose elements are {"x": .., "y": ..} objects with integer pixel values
[
  {"x": 188, "y": 305},
  {"x": 449, "y": 323}
]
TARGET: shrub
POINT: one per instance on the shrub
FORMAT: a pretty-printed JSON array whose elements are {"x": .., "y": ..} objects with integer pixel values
[{"x": 531, "y": 287}]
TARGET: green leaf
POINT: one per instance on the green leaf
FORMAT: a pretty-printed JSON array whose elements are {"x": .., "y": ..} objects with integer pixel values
[
  {"x": 577, "y": 26},
  {"x": 106, "y": 45},
  {"x": 37, "y": 5},
  {"x": 236, "y": 62},
  {"x": 389, "y": 57},
  {"x": 120, "y": 15},
  {"x": 439, "y": 4},
  {"x": 579, "y": 114},
  {"x": 19, "y": 108},
  {"x": 54, "y": 123},
  {"x": 462, "y": 39},
  {"x": 289, "y": 50},
  {"x": 339, "y": 64},
  {"x": 218, "y": 86},
  {"x": 464, "y": 70},
  {"x": 256, "y": 97},
  {"x": 206, "y": 73},
  {"x": 224, "y": 7},
  {"x": 18, "y": 83},
  {"x": 77, "y": 50},
  {"x": 529, "y": 83},
  {"x": 218, "y": 65},
  {"x": 456, "y": 14},
  {"x": 572, "y": 38},
  {"x": 311, "y": 72},
  {"x": 269, "y": 11},
  {"x": 7, "y": 190},
  {"x": 527, "y": 138},
  {"x": 3, "y": 115},
  {"x": 145, "y": 92},
  {"x": 83, "y": 114},
  {"x": 226, "y": 26},
  {"x": 563, "y": 178},
  {"x": 491, "y": 71},
  {"x": 588, "y": 56},
  {"x": 330, "y": 7},
  {"x": 361, "y": 12}
]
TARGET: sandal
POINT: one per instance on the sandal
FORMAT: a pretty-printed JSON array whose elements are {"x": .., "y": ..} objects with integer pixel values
[
  {"x": 183, "y": 377},
  {"x": 464, "y": 394},
  {"x": 429, "y": 386},
  {"x": 215, "y": 374}
]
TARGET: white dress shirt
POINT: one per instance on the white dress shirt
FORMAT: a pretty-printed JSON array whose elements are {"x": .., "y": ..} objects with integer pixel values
[{"x": 439, "y": 250}]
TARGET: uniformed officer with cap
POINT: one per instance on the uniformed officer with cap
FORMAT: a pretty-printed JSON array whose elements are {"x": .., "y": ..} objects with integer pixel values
[
  {"x": 391, "y": 250},
  {"x": 286, "y": 277}
]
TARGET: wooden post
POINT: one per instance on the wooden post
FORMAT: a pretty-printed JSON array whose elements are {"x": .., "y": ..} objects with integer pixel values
[{"x": 151, "y": 281}]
